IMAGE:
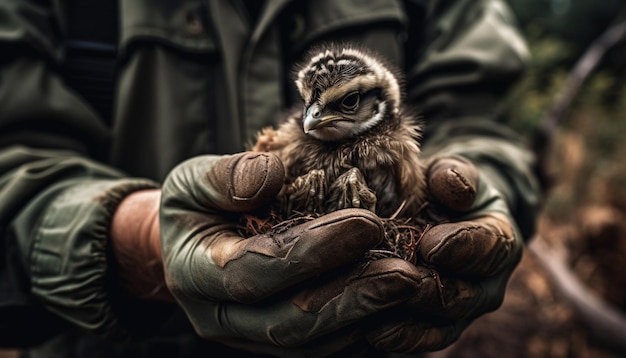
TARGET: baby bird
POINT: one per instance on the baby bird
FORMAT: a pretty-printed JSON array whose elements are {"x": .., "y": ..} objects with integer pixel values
[{"x": 353, "y": 144}]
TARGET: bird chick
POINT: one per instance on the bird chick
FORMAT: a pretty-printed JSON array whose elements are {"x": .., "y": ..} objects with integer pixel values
[{"x": 353, "y": 144}]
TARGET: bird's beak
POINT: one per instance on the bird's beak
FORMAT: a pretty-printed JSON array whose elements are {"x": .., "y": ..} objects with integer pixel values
[{"x": 313, "y": 119}]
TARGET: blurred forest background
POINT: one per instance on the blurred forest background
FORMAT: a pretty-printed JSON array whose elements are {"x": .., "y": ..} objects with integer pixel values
[{"x": 568, "y": 296}]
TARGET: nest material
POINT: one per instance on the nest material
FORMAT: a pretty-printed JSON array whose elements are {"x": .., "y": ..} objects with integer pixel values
[{"x": 402, "y": 235}]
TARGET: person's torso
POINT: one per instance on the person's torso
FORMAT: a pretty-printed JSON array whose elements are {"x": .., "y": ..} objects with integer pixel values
[{"x": 186, "y": 78}]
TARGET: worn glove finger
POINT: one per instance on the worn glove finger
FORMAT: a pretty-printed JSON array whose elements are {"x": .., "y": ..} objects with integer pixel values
[
  {"x": 381, "y": 283},
  {"x": 453, "y": 182},
  {"x": 216, "y": 184},
  {"x": 457, "y": 299},
  {"x": 484, "y": 246},
  {"x": 248, "y": 270}
]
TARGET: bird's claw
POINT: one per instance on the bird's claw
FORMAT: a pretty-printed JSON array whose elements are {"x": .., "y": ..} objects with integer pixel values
[
  {"x": 307, "y": 192},
  {"x": 351, "y": 191}
]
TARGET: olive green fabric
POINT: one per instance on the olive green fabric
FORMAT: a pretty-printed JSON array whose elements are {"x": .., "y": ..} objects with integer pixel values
[{"x": 198, "y": 77}]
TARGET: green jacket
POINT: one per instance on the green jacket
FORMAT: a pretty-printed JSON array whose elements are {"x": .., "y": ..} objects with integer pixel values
[{"x": 88, "y": 116}]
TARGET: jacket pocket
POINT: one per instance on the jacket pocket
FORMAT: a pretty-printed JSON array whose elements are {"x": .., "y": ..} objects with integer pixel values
[{"x": 183, "y": 25}]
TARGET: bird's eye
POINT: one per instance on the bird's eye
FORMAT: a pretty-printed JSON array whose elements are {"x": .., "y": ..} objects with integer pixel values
[{"x": 351, "y": 101}]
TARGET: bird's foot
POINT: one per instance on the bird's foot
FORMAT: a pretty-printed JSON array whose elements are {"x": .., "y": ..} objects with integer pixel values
[
  {"x": 351, "y": 191},
  {"x": 307, "y": 193}
]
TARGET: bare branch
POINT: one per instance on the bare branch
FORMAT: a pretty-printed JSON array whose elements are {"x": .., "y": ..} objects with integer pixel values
[{"x": 605, "y": 323}]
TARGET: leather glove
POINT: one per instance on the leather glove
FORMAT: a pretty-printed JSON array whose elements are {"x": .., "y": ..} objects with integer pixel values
[
  {"x": 470, "y": 261},
  {"x": 246, "y": 291}
]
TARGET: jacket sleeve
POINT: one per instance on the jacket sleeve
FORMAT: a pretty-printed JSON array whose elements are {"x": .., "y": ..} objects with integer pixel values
[
  {"x": 471, "y": 55},
  {"x": 56, "y": 201}
]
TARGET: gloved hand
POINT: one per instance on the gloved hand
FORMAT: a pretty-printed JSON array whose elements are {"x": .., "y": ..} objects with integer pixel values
[
  {"x": 248, "y": 291},
  {"x": 472, "y": 257}
]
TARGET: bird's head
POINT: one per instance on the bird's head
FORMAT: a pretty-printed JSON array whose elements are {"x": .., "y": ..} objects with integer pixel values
[{"x": 346, "y": 91}]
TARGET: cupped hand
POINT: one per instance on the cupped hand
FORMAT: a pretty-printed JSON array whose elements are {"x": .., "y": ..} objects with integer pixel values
[
  {"x": 261, "y": 292},
  {"x": 468, "y": 262}
]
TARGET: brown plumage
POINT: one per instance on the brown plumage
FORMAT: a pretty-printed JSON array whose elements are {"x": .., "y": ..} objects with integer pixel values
[{"x": 353, "y": 145}]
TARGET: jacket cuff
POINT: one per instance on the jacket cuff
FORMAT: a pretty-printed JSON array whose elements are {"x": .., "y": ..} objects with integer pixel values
[{"x": 70, "y": 272}]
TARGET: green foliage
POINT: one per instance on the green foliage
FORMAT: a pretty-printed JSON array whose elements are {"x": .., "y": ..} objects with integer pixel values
[
  {"x": 529, "y": 102},
  {"x": 557, "y": 39},
  {"x": 586, "y": 161}
]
